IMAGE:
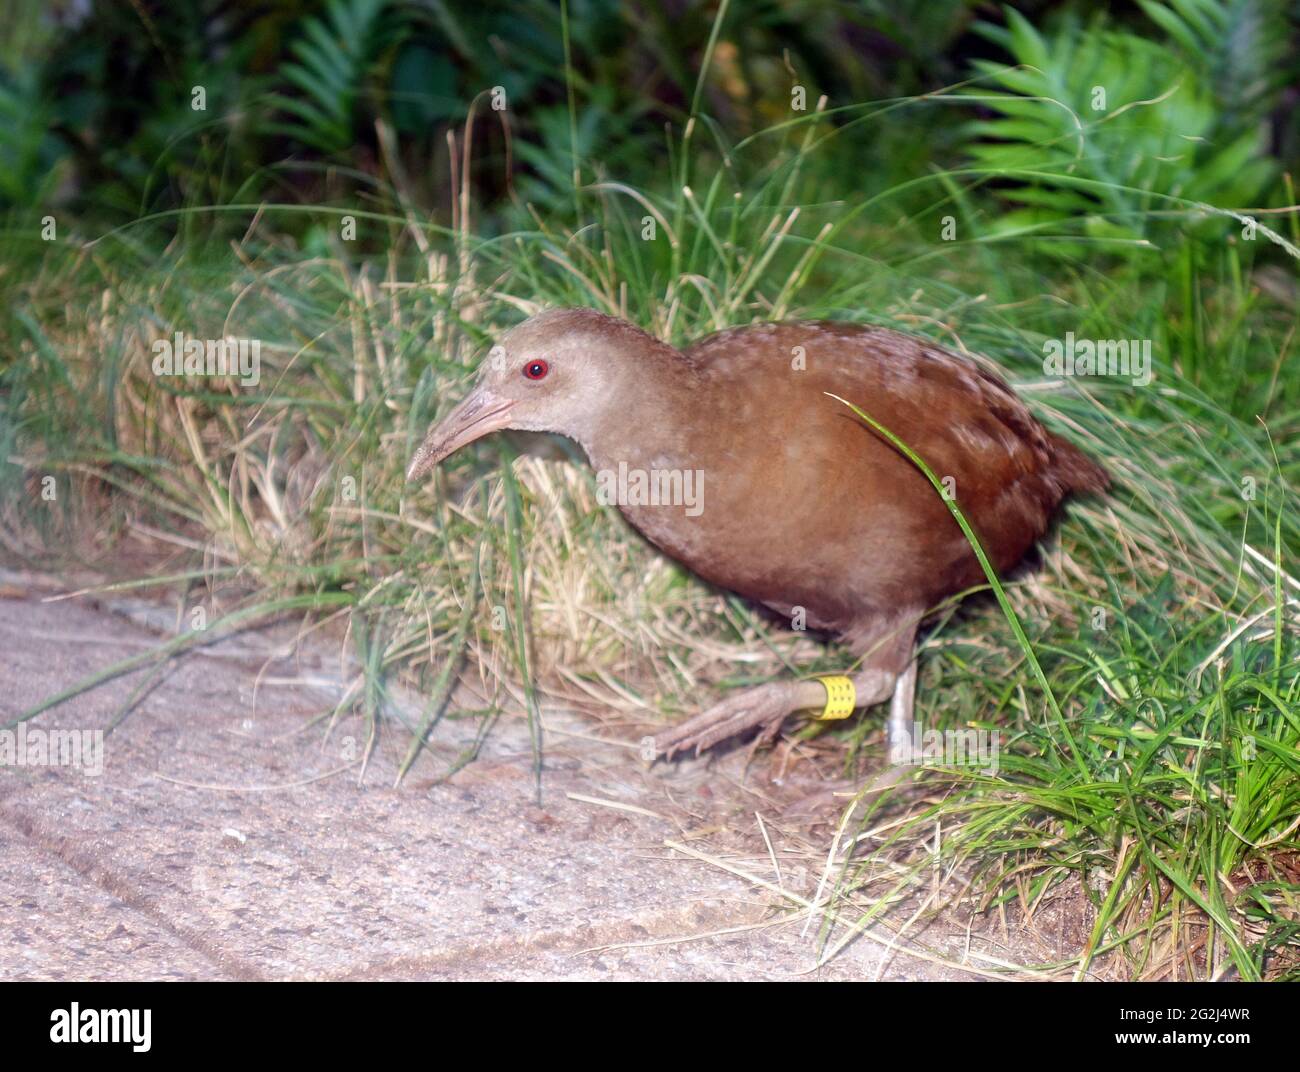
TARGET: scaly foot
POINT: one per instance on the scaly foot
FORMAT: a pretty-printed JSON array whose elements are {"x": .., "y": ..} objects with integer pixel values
[{"x": 765, "y": 706}]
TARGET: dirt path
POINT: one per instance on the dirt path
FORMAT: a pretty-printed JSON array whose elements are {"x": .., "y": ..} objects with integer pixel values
[{"x": 227, "y": 837}]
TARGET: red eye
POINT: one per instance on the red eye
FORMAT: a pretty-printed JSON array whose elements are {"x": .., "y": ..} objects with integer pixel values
[{"x": 535, "y": 370}]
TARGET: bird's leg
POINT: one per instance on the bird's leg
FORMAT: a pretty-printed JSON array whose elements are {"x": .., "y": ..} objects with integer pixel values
[
  {"x": 898, "y": 737},
  {"x": 766, "y": 706},
  {"x": 898, "y": 730},
  {"x": 898, "y": 733}
]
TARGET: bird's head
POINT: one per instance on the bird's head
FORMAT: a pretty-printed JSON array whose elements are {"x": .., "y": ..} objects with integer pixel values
[{"x": 561, "y": 371}]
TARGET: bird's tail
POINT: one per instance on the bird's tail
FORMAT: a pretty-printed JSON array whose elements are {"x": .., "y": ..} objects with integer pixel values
[{"x": 1077, "y": 471}]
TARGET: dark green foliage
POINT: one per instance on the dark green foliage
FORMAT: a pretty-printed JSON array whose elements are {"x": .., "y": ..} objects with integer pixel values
[
  {"x": 1112, "y": 133},
  {"x": 334, "y": 58}
]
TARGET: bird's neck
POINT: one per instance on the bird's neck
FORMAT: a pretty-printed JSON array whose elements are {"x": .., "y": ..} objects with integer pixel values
[{"x": 655, "y": 426}]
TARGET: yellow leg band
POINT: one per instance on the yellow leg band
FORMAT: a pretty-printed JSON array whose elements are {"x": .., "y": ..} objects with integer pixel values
[{"x": 841, "y": 697}]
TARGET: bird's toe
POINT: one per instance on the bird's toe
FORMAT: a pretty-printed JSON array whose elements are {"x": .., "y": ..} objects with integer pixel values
[{"x": 765, "y": 706}]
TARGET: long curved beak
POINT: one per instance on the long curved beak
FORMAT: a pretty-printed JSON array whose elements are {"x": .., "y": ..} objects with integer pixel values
[{"x": 480, "y": 413}]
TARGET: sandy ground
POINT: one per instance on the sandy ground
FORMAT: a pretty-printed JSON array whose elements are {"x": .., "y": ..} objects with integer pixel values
[{"x": 228, "y": 837}]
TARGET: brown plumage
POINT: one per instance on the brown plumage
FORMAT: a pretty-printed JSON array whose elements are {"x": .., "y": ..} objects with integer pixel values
[{"x": 798, "y": 504}]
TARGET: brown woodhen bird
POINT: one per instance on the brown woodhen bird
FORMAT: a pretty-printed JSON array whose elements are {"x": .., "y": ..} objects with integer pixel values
[{"x": 732, "y": 457}]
